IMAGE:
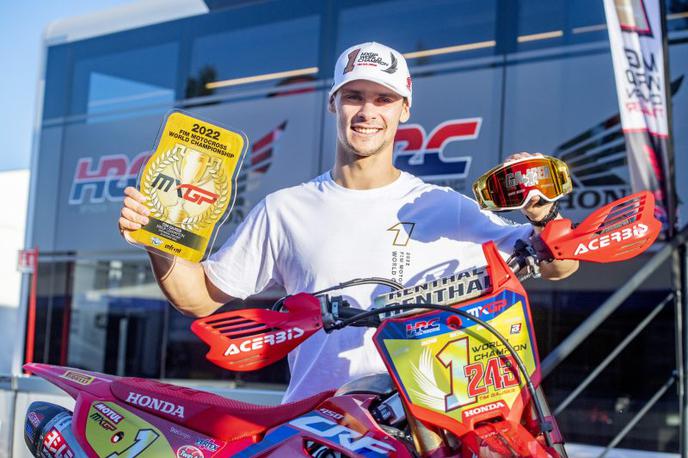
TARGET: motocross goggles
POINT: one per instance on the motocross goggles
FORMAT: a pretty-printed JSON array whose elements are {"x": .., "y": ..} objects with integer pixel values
[{"x": 511, "y": 185}]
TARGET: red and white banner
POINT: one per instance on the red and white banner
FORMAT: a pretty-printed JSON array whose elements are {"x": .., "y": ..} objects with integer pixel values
[{"x": 635, "y": 35}]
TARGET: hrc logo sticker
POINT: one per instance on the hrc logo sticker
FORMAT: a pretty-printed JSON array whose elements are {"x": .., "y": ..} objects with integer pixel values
[{"x": 422, "y": 327}]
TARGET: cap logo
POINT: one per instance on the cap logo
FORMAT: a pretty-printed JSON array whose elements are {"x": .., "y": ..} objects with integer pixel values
[
  {"x": 393, "y": 66},
  {"x": 369, "y": 59},
  {"x": 408, "y": 83},
  {"x": 352, "y": 59}
]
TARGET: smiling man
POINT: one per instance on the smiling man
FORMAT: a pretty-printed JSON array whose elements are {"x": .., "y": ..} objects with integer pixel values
[{"x": 363, "y": 218}]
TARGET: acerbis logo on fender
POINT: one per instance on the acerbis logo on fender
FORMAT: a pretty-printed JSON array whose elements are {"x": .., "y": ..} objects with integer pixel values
[
  {"x": 264, "y": 341},
  {"x": 482, "y": 409},
  {"x": 638, "y": 231},
  {"x": 148, "y": 402}
]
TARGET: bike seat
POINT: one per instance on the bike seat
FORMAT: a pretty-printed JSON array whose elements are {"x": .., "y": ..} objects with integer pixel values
[{"x": 208, "y": 413}]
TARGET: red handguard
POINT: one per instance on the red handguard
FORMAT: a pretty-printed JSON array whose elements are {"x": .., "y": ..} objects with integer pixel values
[
  {"x": 250, "y": 339},
  {"x": 618, "y": 231}
]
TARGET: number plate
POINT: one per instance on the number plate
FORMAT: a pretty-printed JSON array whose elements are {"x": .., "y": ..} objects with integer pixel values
[{"x": 453, "y": 366}]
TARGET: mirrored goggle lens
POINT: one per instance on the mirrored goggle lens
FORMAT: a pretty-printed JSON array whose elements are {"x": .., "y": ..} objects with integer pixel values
[{"x": 509, "y": 186}]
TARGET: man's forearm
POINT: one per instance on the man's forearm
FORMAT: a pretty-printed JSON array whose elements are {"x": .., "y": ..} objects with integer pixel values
[
  {"x": 184, "y": 284},
  {"x": 556, "y": 270}
]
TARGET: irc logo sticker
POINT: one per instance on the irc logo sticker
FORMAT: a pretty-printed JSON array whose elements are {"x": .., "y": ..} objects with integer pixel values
[{"x": 424, "y": 155}]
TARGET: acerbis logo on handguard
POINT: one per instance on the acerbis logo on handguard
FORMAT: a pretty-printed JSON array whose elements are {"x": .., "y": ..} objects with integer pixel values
[
  {"x": 348, "y": 438},
  {"x": 263, "y": 341},
  {"x": 638, "y": 231},
  {"x": 169, "y": 408}
]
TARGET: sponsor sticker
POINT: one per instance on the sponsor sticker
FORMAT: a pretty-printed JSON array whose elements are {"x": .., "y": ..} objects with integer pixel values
[
  {"x": 54, "y": 445},
  {"x": 108, "y": 412},
  {"x": 156, "y": 404},
  {"x": 131, "y": 436},
  {"x": 468, "y": 413},
  {"x": 101, "y": 421},
  {"x": 422, "y": 327},
  {"x": 118, "y": 436},
  {"x": 35, "y": 418},
  {"x": 208, "y": 444},
  {"x": 78, "y": 377},
  {"x": 189, "y": 451}
]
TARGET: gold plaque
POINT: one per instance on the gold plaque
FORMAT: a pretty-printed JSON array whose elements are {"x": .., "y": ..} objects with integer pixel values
[{"x": 189, "y": 182}]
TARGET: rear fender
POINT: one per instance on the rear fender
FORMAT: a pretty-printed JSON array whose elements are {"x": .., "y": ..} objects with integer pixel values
[{"x": 74, "y": 381}]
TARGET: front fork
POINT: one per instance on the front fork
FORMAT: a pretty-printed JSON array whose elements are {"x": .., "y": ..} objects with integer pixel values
[{"x": 430, "y": 443}]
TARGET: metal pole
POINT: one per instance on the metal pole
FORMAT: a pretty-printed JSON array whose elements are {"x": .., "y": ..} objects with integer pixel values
[
  {"x": 608, "y": 307},
  {"x": 680, "y": 275},
  {"x": 619, "y": 437},
  {"x": 619, "y": 348}
]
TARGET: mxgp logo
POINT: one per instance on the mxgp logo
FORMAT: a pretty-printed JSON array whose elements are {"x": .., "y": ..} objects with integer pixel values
[
  {"x": 190, "y": 192},
  {"x": 425, "y": 156},
  {"x": 491, "y": 308}
]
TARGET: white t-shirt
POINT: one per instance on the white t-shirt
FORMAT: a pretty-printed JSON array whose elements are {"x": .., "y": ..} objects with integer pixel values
[{"x": 319, "y": 234}]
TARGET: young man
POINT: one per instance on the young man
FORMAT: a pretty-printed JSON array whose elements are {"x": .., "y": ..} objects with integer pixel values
[{"x": 363, "y": 218}]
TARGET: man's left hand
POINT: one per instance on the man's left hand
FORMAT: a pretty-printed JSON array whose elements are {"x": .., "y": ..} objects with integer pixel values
[
  {"x": 536, "y": 208},
  {"x": 555, "y": 270}
]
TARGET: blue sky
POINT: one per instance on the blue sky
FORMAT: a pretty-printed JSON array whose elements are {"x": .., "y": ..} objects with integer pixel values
[{"x": 21, "y": 29}]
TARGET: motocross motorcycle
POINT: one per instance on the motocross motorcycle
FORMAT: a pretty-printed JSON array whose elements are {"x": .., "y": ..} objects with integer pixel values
[{"x": 461, "y": 355}]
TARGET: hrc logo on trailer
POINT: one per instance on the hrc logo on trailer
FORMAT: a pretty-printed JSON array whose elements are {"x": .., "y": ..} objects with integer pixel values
[
  {"x": 424, "y": 155},
  {"x": 107, "y": 180}
]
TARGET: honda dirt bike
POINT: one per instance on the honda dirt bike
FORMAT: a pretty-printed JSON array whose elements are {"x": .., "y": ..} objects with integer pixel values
[{"x": 460, "y": 352}]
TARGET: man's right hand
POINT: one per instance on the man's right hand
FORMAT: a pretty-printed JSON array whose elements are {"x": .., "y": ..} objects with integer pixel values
[
  {"x": 183, "y": 283},
  {"x": 134, "y": 213}
]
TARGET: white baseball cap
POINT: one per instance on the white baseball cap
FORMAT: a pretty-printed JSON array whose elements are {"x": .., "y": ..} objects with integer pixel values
[{"x": 373, "y": 62}]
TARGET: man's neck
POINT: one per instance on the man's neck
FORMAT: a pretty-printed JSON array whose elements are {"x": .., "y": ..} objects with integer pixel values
[{"x": 364, "y": 172}]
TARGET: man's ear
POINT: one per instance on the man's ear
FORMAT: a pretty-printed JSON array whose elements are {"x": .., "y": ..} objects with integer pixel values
[
  {"x": 330, "y": 104},
  {"x": 405, "y": 112}
]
